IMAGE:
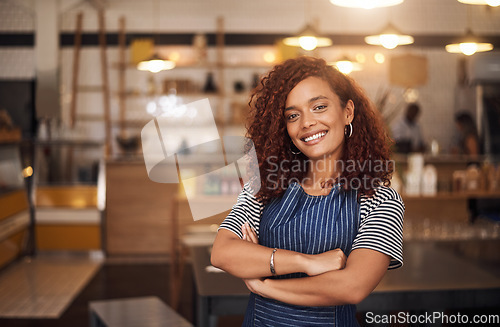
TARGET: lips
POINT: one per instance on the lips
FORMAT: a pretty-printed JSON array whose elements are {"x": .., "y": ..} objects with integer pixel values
[{"x": 313, "y": 137}]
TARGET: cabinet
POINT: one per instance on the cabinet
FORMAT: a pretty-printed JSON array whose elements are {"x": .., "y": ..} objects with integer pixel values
[
  {"x": 140, "y": 213},
  {"x": 450, "y": 214},
  {"x": 68, "y": 194},
  {"x": 15, "y": 218}
]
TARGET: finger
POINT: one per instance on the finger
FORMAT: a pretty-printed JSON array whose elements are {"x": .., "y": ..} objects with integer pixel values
[
  {"x": 252, "y": 235},
  {"x": 244, "y": 232}
]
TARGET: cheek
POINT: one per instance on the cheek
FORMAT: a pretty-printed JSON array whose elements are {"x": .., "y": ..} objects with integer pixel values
[
  {"x": 290, "y": 129},
  {"x": 338, "y": 132},
  {"x": 338, "y": 125}
]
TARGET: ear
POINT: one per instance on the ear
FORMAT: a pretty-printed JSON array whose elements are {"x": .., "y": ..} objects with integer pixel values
[{"x": 349, "y": 112}]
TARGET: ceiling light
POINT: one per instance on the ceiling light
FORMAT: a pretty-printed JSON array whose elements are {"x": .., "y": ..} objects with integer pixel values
[
  {"x": 308, "y": 39},
  {"x": 492, "y": 3},
  {"x": 379, "y": 58},
  {"x": 155, "y": 64},
  {"x": 346, "y": 65},
  {"x": 389, "y": 38},
  {"x": 366, "y": 4},
  {"x": 469, "y": 45}
]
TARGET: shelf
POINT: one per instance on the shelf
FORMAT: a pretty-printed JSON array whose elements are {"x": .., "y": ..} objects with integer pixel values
[
  {"x": 91, "y": 88},
  {"x": 66, "y": 142},
  {"x": 203, "y": 66},
  {"x": 454, "y": 196},
  {"x": 447, "y": 158},
  {"x": 193, "y": 94}
]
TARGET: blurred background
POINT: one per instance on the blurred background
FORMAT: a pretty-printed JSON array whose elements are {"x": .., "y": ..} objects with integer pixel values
[{"x": 80, "y": 221}]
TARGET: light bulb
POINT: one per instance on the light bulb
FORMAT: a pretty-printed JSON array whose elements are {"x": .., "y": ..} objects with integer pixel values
[
  {"x": 269, "y": 57},
  {"x": 468, "y": 48},
  {"x": 366, "y": 4},
  {"x": 345, "y": 66},
  {"x": 379, "y": 58},
  {"x": 493, "y": 3},
  {"x": 155, "y": 66},
  {"x": 360, "y": 58},
  {"x": 389, "y": 41},
  {"x": 308, "y": 42}
]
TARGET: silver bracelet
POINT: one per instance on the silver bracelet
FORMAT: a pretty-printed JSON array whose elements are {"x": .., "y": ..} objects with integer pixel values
[{"x": 271, "y": 263}]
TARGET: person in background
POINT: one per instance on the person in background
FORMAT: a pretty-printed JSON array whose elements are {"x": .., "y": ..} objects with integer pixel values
[
  {"x": 468, "y": 144},
  {"x": 289, "y": 240},
  {"x": 406, "y": 131},
  {"x": 468, "y": 139}
]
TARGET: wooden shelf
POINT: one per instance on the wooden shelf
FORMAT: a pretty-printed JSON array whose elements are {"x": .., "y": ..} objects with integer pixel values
[
  {"x": 211, "y": 65},
  {"x": 454, "y": 195},
  {"x": 191, "y": 94},
  {"x": 75, "y": 143}
]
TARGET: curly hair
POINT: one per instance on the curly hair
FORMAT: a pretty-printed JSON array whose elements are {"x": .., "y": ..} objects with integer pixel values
[{"x": 267, "y": 129}]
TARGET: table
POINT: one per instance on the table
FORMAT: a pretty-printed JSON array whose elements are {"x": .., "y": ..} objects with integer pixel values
[
  {"x": 218, "y": 293},
  {"x": 134, "y": 312},
  {"x": 433, "y": 278}
]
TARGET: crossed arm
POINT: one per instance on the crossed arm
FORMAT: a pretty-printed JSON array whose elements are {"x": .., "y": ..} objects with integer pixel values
[{"x": 332, "y": 280}]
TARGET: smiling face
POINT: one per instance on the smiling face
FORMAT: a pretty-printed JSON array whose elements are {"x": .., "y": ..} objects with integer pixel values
[{"x": 315, "y": 119}]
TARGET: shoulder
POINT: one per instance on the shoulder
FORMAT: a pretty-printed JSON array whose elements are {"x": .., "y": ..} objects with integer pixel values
[
  {"x": 246, "y": 209},
  {"x": 381, "y": 225},
  {"x": 399, "y": 123},
  {"x": 248, "y": 195},
  {"x": 383, "y": 195}
]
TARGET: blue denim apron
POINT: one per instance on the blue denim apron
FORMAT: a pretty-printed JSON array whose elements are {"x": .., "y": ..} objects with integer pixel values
[{"x": 307, "y": 224}]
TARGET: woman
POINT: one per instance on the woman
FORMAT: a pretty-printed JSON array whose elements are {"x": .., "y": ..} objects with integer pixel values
[
  {"x": 323, "y": 157},
  {"x": 468, "y": 142}
]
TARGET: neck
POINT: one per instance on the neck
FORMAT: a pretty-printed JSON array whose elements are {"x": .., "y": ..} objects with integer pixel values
[{"x": 322, "y": 172}]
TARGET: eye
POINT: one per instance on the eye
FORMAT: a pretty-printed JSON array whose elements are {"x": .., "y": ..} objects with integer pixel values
[
  {"x": 292, "y": 117},
  {"x": 319, "y": 107}
]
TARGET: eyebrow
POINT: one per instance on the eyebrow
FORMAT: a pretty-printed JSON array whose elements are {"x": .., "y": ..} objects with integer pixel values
[{"x": 319, "y": 97}]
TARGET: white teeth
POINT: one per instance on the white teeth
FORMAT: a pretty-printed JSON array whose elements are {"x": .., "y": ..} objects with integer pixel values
[{"x": 315, "y": 136}]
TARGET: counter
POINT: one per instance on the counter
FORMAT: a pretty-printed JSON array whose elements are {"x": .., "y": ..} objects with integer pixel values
[{"x": 142, "y": 217}]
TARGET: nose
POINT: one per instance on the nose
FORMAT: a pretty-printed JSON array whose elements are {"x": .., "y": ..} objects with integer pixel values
[{"x": 308, "y": 120}]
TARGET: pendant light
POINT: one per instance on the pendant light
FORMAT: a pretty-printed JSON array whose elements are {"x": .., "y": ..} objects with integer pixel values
[
  {"x": 156, "y": 63},
  {"x": 389, "y": 38},
  {"x": 308, "y": 38},
  {"x": 492, "y": 3},
  {"x": 345, "y": 65},
  {"x": 469, "y": 45},
  {"x": 366, "y": 4}
]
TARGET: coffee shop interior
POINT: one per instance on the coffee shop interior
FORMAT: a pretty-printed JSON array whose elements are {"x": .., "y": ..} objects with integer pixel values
[{"x": 89, "y": 235}]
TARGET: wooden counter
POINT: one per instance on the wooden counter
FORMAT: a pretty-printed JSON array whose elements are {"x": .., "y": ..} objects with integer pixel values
[
  {"x": 139, "y": 212},
  {"x": 436, "y": 276},
  {"x": 14, "y": 223}
]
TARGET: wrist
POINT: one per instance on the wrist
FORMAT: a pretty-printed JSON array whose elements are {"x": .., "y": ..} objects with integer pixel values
[{"x": 303, "y": 262}]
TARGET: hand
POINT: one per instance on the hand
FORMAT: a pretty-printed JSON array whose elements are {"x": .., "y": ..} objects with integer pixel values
[
  {"x": 323, "y": 262},
  {"x": 249, "y": 234},
  {"x": 254, "y": 285}
]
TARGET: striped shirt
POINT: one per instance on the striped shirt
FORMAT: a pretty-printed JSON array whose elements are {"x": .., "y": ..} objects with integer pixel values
[{"x": 380, "y": 229}]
